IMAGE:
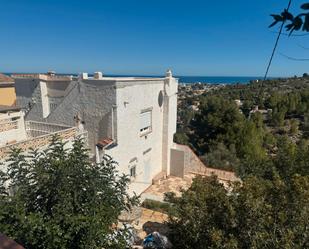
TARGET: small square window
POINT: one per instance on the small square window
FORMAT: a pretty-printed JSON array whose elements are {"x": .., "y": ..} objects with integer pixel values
[
  {"x": 146, "y": 121},
  {"x": 133, "y": 171}
]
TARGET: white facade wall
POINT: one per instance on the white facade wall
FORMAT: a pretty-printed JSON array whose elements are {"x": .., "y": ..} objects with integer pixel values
[
  {"x": 13, "y": 135},
  {"x": 134, "y": 149}
]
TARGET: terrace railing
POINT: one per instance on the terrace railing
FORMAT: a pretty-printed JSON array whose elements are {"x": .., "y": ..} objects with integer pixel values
[
  {"x": 42, "y": 141},
  {"x": 8, "y": 124},
  {"x": 35, "y": 129}
]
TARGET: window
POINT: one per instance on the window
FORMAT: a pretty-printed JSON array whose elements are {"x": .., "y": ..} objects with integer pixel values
[
  {"x": 133, "y": 171},
  {"x": 145, "y": 121},
  {"x": 52, "y": 106}
]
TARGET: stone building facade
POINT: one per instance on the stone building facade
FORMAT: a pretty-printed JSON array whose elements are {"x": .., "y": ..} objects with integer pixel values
[{"x": 132, "y": 119}]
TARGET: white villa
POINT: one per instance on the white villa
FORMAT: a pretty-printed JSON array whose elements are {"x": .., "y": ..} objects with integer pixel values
[{"x": 132, "y": 119}]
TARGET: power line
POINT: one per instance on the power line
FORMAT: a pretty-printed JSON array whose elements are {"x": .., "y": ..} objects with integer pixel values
[
  {"x": 303, "y": 47},
  {"x": 293, "y": 58},
  {"x": 276, "y": 43},
  {"x": 289, "y": 34}
]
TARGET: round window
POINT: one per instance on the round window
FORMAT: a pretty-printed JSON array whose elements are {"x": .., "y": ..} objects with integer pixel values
[{"x": 160, "y": 98}]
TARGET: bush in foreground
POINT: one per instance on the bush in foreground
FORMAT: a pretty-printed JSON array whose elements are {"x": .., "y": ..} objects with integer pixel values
[
  {"x": 258, "y": 213},
  {"x": 61, "y": 200}
]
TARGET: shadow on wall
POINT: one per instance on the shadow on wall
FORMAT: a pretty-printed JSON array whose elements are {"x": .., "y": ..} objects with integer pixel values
[{"x": 105, "y": 126}]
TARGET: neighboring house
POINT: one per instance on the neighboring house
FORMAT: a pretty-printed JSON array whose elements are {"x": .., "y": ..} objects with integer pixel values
[
  {"x": 27, "y": 135},
  {"x": 7, "y": 90},
  {"x": 257, "y": 110},
  {"x": 239, "y": 103},
  {"x": 132, "y": 119}
]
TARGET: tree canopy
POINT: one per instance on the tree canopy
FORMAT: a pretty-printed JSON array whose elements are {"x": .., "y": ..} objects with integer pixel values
[
  {"x": 259, "y": 213},
  {"x": 59, "y": 199}
]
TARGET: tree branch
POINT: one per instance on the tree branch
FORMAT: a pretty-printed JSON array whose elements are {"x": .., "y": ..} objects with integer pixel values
[{"x": 276, "y": 43}]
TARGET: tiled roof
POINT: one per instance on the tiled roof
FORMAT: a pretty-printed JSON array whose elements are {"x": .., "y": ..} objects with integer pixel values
[
  {"x": 105, "y": 142},
  {"x": 7, "y": 243},
  {"x": 5, "y": 79}
]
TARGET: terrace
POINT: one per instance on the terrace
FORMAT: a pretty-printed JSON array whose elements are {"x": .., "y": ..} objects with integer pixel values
[{"x": 39, "y": 135}]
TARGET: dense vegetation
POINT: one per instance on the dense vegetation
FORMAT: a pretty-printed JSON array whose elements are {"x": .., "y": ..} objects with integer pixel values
[
  {"x": 269, "y": 150},
  {"x": 60, "y": 200},
  {"x": 226, "y": 135},
  {"x": 259, "y": 213}
]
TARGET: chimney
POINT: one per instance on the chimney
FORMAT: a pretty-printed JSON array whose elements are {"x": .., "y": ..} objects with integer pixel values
[
  {"x": 84, "y": 76},
  {"x": 168, "y": 74},
  {"x": 98, "y": 75},
  {"x": 51, "y": 73}
]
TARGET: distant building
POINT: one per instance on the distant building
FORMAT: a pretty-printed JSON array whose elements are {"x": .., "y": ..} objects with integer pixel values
[
  {"x": 261, "y": 111},
  {"x": 132, "y": 119},
  {"x": 7, "y": 90},
  {"x": 238, "y": 102}
]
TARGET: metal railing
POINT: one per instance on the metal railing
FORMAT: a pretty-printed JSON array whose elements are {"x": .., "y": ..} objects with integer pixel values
[
  {"x": 40, "y": 135},
  {"x": 34, "y": 128}
]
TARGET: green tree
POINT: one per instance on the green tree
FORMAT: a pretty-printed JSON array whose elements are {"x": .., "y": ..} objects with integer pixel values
[
  {"x": 259, "y": 213},
  {"x": 219, "y": 121},
  {"x": 251, "y": 141},
  {"x": 294, "y": 125},
  {"x": 257, "y": 118},
  {"x": 181, "y": 138},
  {"x": 60, "y": 199},
  {"x": 221, "y": 157}
]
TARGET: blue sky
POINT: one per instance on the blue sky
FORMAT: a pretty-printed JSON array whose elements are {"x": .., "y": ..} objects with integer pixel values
[{"x": 211, "y": 38}]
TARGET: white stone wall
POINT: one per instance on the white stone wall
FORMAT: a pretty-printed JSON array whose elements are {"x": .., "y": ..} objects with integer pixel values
[
  {"x": 146, "y": 152},
  {"x": 12, "y": 135}
]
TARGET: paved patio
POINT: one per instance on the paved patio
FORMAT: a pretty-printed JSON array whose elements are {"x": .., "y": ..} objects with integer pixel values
[
  {"x": 173, "y": 184},
  {"x": 170, "y": 184}
]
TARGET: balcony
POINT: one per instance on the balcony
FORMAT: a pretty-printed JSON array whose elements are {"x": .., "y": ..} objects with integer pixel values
[{"x": 39, "y": 135}]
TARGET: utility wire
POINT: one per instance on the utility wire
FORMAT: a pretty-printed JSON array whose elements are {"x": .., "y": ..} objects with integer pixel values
[
  {"x": 293, "y": 58},
  {"x": 303, "y": 47},
  {"x": 276, "y": 43},
  {"x": 288, "y": 34}
]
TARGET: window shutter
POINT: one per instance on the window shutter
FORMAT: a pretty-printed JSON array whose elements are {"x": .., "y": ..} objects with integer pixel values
[{"x": 145, "y": 120}]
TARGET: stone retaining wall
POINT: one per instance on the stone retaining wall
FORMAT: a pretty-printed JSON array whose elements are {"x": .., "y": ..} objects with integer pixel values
[{"x": 193, "y": 165}]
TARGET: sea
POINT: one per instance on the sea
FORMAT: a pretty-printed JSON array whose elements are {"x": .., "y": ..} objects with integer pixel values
[
  {"x": 206, "y": 79},
  {"x": 197, "y": 79},
  {"x": 217, "y": 79}
]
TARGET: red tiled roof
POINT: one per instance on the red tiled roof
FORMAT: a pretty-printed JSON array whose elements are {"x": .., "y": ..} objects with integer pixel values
[
  {"x": 104, "y": 142},
  {"x": 5, "y": 79},
  {"x": 7, "y": 243}
]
